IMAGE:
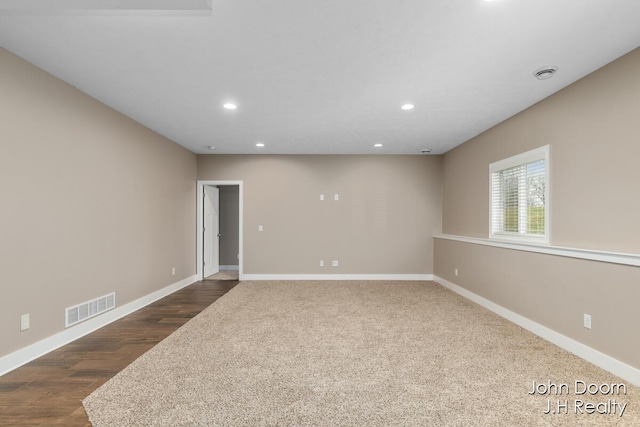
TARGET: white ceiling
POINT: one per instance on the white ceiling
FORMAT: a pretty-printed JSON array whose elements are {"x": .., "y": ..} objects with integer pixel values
[{"x": 327, "y": 76}]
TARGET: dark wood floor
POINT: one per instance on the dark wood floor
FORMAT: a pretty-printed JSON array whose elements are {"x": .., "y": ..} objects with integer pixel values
[{"x": 49, "y": 390}]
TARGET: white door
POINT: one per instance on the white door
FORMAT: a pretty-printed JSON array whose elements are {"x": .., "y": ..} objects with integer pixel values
[{"x": 211, "y": 238}]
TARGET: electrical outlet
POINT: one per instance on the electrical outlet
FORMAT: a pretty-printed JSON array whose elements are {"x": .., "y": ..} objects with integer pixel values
[
  {"x": 24, "y": 322},
  {"x": 322, "y": 197},
  {"x": 260, "y": 228},
  {"x": 587, "y": 321},
  {"x": 336, "y": 197},
  {"x": 456, "y": 271},
  {"x": 321, "y": 263},
  {"x": 334, "y": 263}
]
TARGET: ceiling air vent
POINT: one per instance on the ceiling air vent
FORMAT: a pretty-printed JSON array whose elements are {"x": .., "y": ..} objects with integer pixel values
[{"x": 545, "y": 73}]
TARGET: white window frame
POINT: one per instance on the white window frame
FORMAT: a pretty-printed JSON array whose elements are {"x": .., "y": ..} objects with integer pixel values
[{"x": 541, "y": 153}]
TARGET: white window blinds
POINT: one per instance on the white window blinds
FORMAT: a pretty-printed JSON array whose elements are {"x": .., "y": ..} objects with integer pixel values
[{"x": 519, "y": 196}]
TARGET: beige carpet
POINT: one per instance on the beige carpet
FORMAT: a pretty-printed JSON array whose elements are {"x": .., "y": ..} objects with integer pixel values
[
  {"x": 224, "y": 275},
  {"x": 352, "y": 354}
]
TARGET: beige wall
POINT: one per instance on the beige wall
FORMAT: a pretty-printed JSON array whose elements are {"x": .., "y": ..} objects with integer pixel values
[
  {"x": 592, "y": 128},
  {"x": 553, "y": 291},
  {"x": 92, "y": 203},
  {"x": 388, "y": 209}
]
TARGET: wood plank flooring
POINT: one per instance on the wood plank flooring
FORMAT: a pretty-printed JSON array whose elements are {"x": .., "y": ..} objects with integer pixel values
[{"x": 49, "y": 390}]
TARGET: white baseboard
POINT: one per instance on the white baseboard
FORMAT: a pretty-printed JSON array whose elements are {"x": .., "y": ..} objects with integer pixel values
[
  {"x": 27, "y": 354},
  {"x": 337, "y": 277},
  {"x": 229, "y": 267},
  {"x": 608, "y": 363}
]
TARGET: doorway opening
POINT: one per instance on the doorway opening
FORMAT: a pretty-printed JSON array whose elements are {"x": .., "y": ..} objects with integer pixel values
[{"x": 219, "y": 230}]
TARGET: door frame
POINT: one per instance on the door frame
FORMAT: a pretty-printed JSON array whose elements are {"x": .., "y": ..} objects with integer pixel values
[{"x": 200, "y": 223}]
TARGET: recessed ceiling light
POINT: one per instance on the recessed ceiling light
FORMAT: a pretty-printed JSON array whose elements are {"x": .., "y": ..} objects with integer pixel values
[
  {"x": 230, "y": 106},
  {"x": 377, "y": 145},
  {"x": 211, "y": 148},
  {"x": 260, "y": 144},
  {"x": 408, "y": 107},
  {"x": 426, "y": 150},
  {"x": 545, "y": 73}
]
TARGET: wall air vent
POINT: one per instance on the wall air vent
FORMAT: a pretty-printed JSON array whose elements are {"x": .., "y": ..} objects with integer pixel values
[{"x": 89, "y": 309}]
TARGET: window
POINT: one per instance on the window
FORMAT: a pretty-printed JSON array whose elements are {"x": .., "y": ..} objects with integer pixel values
[{"x": 520, "y": 197}]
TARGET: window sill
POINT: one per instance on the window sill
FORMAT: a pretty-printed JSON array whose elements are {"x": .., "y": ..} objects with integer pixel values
[
  {"x": 588, "y": 254},
  {"x": 520, "y": 239}
]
